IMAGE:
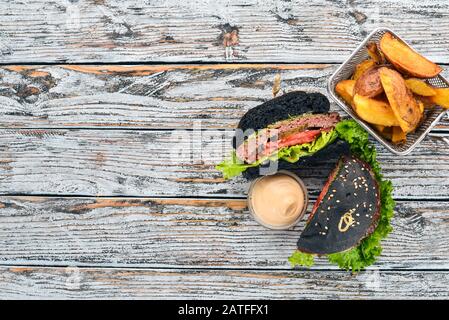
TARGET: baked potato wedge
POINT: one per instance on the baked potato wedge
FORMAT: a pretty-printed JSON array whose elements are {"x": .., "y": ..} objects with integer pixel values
[
  {"x": 397, "y": 135},
  {"x": 421, "y": 106},
  {"x": 420, "y": 87},
  {"x": 375, "y": 53},
  {"x": 379, "y": 127},
  {"x": 425, "y": 101},
  {"x": 401, "y": 100},
  {"x": 368, "y": 85},
  {"x": 441, "y": 97},
  {"x": 387, "y": 133},
  {"x": 405, "y": 59},
  {"x": 362, "y": 67},
  {"x": 345, "y": 89},
  {"x": 374, "y": 111}
]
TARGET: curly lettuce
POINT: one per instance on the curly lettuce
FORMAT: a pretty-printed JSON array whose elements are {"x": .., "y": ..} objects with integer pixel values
[{"x": 366, "y": 253}]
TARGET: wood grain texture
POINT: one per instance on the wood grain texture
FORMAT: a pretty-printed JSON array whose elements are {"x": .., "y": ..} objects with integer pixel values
[
  {"x": 145, "y": 96},
  {"x": 173, "y": 163},
  {"x": 94, "y": 283},
  {"x": 205, "y": 233},
  {"x": 174, "y": 31},
  {"x": 167, "y": 97},
  {"x": 178, "y": 244}
]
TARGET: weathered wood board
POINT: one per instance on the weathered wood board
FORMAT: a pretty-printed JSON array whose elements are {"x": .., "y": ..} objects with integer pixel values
[
  {"x": 173, "y": 163},
  {"x": 176, "y": 31},
  {"x": 167, "y": 225},
  {"x": 200, "y": 233},
  {"x": 101, "y": 283},
  {"x": 148, "y": 96},
  {"x": 167, "y": 97}
]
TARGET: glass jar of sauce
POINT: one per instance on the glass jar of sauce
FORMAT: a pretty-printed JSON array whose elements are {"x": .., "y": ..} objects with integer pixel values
[{"x": 278, "y": 201}]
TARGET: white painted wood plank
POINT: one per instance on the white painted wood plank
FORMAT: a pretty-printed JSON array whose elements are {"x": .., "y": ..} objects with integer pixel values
[
  {"x": 146, "y": 96},
  {"x": 92, "y": 283},
  {"x": 206, "y": 233},
  {"x": 173, "y": 30},
  {"x": 213, "y": 96},
  {"x": 173, "y": 163}
]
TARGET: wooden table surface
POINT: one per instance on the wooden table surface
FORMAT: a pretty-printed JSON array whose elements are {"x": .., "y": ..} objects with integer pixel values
[{"x": 107, "y": 192}]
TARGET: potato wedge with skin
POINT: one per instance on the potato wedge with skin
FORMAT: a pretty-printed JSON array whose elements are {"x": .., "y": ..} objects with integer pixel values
[
  {"x": 397, "y": 135},
  {"x": 368, "y": 85},
  {"x": 405, "y": 59},
  {"x": 383, "y": 131},
  {"x": 426, "y": 101},
  {"x": 345, "y": 89},
  {"x": 375, "y": 53},
  {"x": 362, "y": 67},
  {"x": 374, "y": 111},
  {"x": 441, "y": 97},
  {"x": 420, "y": 87},
  {"x": 401, "y": 99},
  {"x": 379, "y": 127},
  {"x": 387, "y": 133},
  {"x": 420, "y": 105}
]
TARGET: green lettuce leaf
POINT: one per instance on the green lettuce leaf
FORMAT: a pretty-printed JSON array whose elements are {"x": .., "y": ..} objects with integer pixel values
[
  {"x": 369, "y": 248},
  {"x": 233, "y": 166},
  {"x": 299, "y": 258}
]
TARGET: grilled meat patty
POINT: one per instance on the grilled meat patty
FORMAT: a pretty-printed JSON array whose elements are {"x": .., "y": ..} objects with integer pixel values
[
  {"x": 324, "y": 160},
  {"x": 346, "y": 212},
  {"x": 288, "y": 105},
  {"x": 285, "y": 133}
]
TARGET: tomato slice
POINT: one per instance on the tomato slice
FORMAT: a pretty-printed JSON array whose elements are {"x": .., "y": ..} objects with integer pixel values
[
  {"x": 299, "y": 138},
  {"x": 325, "y": 189},
  {"x": 291, "y": 140}
]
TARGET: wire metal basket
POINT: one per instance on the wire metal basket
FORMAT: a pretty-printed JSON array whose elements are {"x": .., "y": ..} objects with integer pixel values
[{"x": 345, "y": 71}]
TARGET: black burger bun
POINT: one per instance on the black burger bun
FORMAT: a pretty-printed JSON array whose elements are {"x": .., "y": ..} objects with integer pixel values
[
  {"x": 346, "y": 212},
  {"x": 283, "y": 107}
]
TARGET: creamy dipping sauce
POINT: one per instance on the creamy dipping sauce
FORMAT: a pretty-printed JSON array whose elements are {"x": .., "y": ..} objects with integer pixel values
[{"x": 278, "y": 200}]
